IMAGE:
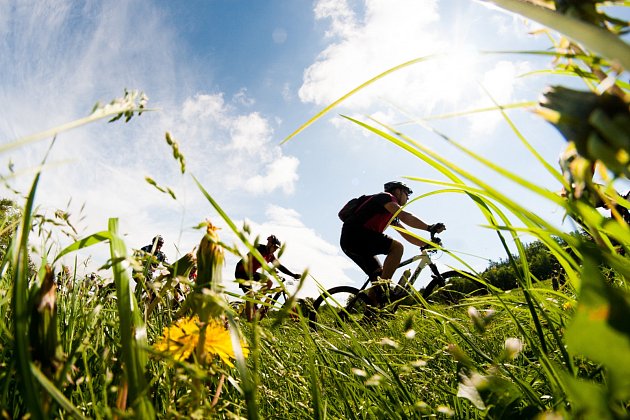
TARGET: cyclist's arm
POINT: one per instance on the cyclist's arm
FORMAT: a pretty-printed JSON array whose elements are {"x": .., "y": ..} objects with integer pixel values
[
  {"x": 412, "y": 239},
  {"x": 276, "y": 264},
  {"x": 288, "y": 272},
  {"x": 406, "y": 217}
]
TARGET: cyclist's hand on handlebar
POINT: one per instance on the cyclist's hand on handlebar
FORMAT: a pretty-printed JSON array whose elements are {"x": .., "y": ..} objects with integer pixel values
[
  {"x": 437, "y": 241},
  {"x": 436, "y": 228}
]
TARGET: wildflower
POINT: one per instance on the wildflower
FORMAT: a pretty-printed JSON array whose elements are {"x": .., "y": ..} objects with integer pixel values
[
  {"x": 480, "y": 320},
  {"x": 566, "y": 306},
  {"x": 421, "y": 406},
  {"x": 374, "y": 380},
  {"x": 513, "y": 346},
  {"x": 473, "y": 314},
  {"x": 419, "y": 363},
  {"x": 359, "y": 372},
  {"x": 389, "y": 342},
  {"x": 181, "y": 339},
  {"x": 447, "y": 411}
]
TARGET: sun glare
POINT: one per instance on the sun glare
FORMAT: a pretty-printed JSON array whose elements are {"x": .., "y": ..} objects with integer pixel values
[{"x": 453, "y": 75}]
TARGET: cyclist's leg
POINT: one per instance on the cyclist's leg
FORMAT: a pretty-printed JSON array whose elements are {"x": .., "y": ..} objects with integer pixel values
[
  {"x": 250, "y": 306},
  {"x": 248, "y": 294},
  {"x": 392, "y": 260},
  {"x": 362, "y": 246}
]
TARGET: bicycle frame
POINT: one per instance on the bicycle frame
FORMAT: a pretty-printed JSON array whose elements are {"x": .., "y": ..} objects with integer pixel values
[
  {"x": 272, "y": 299},
  {"x": 425, "y": 260}
]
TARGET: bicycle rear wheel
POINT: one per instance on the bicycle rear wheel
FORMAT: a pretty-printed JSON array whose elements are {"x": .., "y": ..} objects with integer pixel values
[{"x": 337, "y": 304}]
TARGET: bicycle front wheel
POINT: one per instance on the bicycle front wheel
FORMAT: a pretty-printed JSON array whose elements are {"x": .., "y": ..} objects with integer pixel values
[
  {"x": 338, "y": 304},
  {"x": 459, "y": 284}
]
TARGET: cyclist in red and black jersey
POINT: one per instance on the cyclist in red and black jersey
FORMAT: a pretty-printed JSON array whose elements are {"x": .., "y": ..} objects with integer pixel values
[
  {"x": 247, "y": 269},
  {"x": 362, "y": 237}
]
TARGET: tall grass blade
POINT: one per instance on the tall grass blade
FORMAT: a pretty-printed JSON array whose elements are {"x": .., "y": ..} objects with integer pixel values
[
  {"x": 596, "y": 39},
  {"x": 21, "y": 310},
  {"x": 133, "y": 334},
  {"x": 86, "y": 242},
  {"x": 56, "y": 394},
  {"x": 355, "y": 90}
]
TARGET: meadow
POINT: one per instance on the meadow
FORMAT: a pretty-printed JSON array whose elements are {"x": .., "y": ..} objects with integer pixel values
[{"x": 74, "y": 346}]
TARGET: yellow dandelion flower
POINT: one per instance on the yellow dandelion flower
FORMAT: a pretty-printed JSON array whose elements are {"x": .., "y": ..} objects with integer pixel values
[
  {"x": 218, "y": 342},
  {"x": 181, "y": 339}
]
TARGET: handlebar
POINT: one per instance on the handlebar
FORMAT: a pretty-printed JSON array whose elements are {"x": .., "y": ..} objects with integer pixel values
[
  {"x": 435, "y": 240},
  {"x": 434, "y": 230}
]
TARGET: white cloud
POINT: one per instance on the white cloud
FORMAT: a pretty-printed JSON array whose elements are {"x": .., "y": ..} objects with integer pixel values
[
  {"x": 236, "y": 151},
  {"x": 242, "y": 98},
  {"x": 500, "y": 82},
  {"x": 280, "y": 173},
  {"x": 67, "y": 58},
  {"x": 389, "y": 33},
  {"x": 341, "y": 15}
]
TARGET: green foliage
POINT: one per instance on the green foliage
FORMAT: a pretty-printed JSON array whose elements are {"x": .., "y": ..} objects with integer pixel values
[{"x": 542, "y": 265}]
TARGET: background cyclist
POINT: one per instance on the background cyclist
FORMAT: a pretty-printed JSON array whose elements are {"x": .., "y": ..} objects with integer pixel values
[
  {"x": 247, "y": 268},
  {"x": 155, "y": 250},
  {"x": 362, "y": 237}
]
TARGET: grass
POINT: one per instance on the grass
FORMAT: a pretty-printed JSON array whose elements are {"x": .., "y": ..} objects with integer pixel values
[{"x": 81, "y": 349}]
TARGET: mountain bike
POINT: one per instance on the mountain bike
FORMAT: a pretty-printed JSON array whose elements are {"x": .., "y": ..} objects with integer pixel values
[
  {"x": 275, "y": 297},
  {"x": 349, "y": 301}
]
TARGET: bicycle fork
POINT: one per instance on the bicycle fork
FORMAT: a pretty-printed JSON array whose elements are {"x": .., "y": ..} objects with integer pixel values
[{"x": 436, "y": 280}]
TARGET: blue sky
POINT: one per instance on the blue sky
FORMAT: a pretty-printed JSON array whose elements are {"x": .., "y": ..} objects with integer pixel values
[{"x": 230, "y": 79}]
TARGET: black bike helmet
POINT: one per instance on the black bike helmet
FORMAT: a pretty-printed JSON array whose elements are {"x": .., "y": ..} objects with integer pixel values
[
  {"x": 392, "y": 185},
  {"x": 274, "y": 240},
  {"x": 158, "y": 240}
]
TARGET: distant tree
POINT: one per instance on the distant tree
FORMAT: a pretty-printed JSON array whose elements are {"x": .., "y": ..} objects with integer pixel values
[{"x": 543, "y": 265}]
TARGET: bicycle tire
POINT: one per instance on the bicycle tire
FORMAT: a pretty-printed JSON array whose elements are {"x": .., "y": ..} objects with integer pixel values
[
  {"x": 335, "y": 294},
  {"x": 447, "y": 276}
]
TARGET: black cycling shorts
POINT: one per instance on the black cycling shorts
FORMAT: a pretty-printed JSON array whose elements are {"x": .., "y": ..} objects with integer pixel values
[
  {"x": 242, "y": 275},
  {"x": 363, "y": 245}
]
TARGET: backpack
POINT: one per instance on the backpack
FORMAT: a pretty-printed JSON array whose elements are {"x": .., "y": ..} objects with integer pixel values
[{"x": 352, "y": 207}]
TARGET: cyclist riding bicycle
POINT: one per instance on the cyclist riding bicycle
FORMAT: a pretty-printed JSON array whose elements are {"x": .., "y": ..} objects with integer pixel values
[
  {"x": 362, "y": 237},
  {"x": 247, "y": 271},
  {"x": 155, "y": 250}
]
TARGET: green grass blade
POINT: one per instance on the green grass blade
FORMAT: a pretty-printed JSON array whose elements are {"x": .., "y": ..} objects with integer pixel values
[
  {"x": 596, "y": 39},
  {"x": 56, "y": 394},
  {"x": 516, "y": 105},
  {"x": 132, "y": 329},
  {"x": 86, "y": 242},
  {"x": 21, "y": 310},
  {"x": 353, "y": 91}
]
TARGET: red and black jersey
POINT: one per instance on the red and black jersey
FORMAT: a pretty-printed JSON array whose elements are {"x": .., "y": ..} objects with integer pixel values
[
  {"x": 374, "y": 216},
  {"x": 250, "y": 264}
]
